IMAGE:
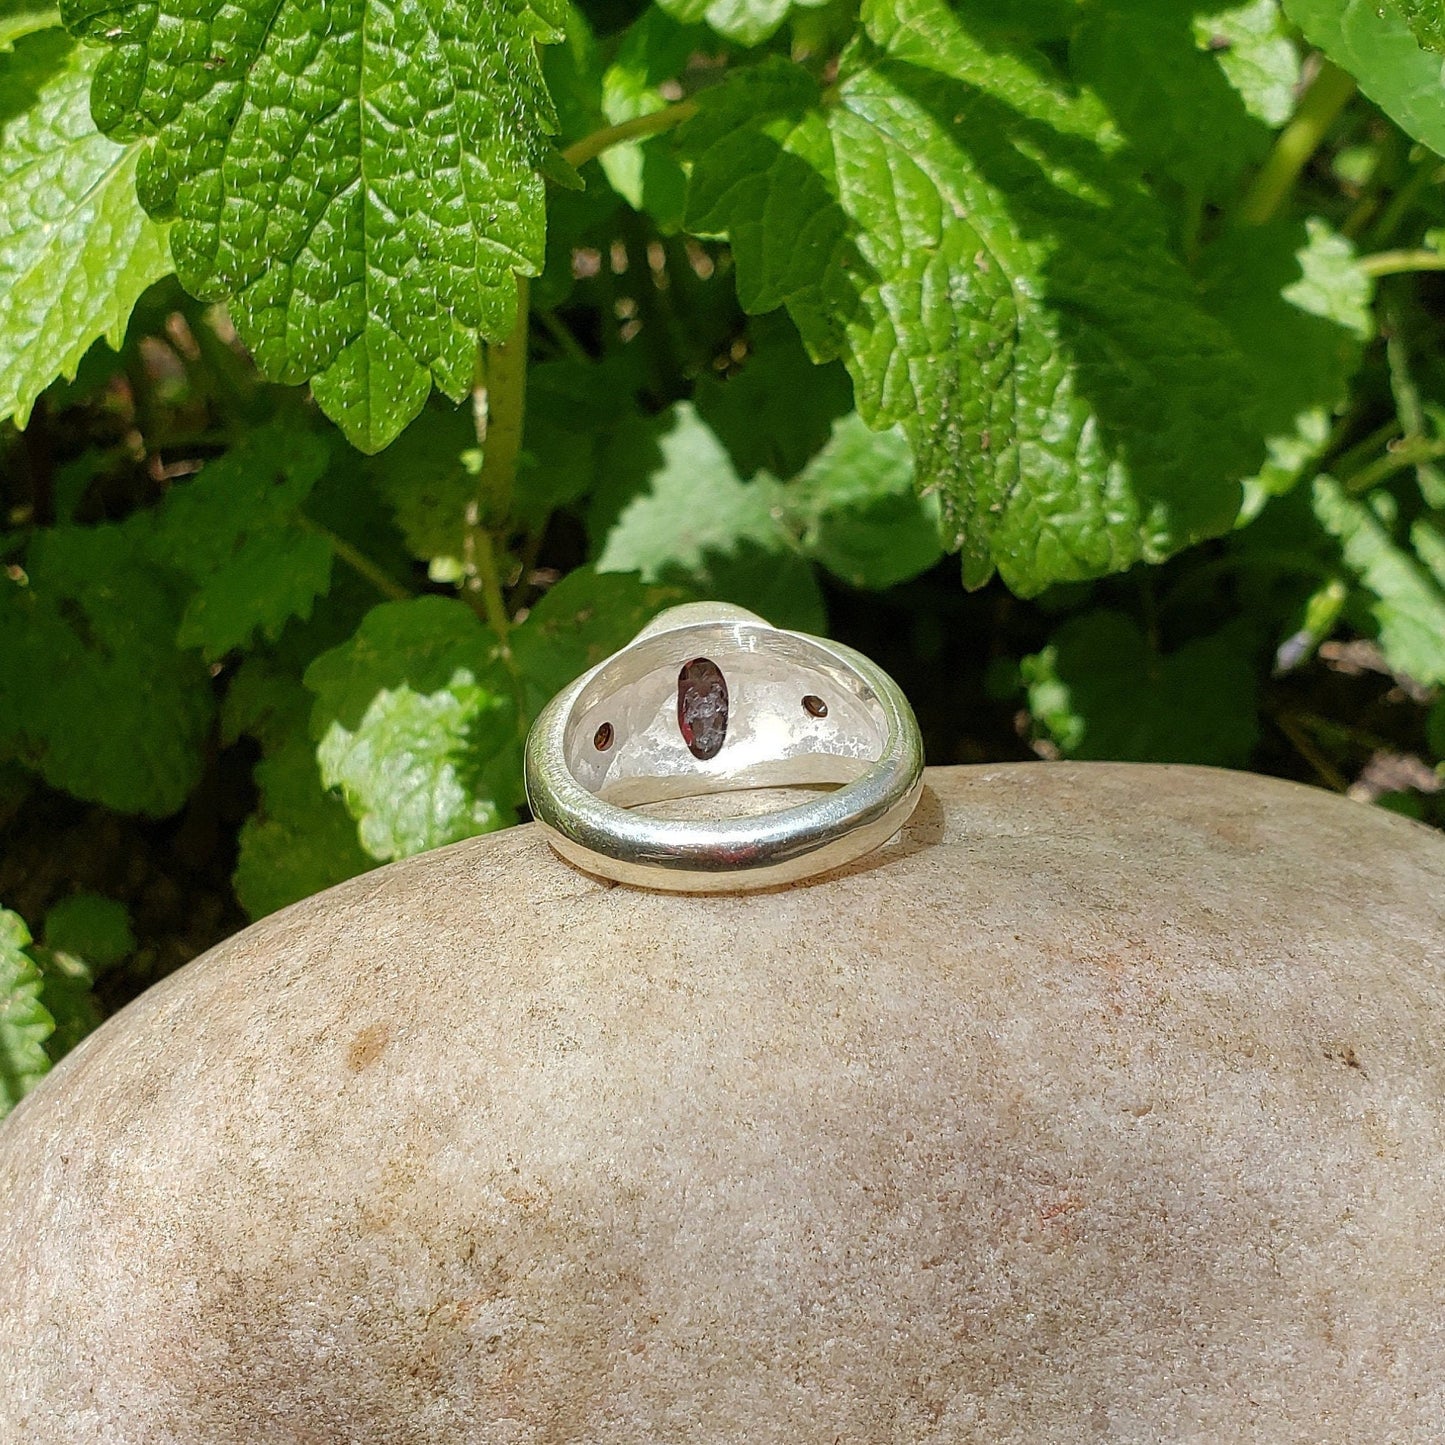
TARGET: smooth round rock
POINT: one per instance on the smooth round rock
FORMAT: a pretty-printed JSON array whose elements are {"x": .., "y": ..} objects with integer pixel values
[{"x": 1106, "y": 1104}]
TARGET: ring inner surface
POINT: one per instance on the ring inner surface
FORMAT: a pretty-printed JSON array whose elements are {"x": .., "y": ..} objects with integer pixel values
[{"x": 624, "y": 740}]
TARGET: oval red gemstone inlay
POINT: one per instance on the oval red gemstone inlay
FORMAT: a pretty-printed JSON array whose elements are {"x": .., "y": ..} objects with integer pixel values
[{"x": 702, "y": 707}]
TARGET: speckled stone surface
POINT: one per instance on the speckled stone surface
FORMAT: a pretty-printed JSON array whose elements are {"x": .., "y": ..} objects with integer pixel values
[{"x": 1107, "y": 1103}]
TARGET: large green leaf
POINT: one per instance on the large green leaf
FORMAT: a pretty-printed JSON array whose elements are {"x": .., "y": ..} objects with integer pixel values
[
  {"x": 1374, "y": 42},
  {"x": 410, "y": 717},
  {"x": 237, "y": 531},
  {"x": 300, "y": 839},
  {"x": 1099, "y": 690},
  {"x": 672, "y": 508},
  {"x": 1426, "y": 19},
  {"x": 94, "y": 693},
  {"x": 1169, "y": 95},
  {"x": 76, "y": 250},
  {"x": 1296, "y": 299},
  {"x": 359, "y": 179},
  {"x": 971, "y": 237},
  {"x": 25, "y": 1023}
]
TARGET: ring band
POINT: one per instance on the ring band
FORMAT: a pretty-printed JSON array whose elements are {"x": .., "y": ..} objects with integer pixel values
[{"x": 709, "y": 698}]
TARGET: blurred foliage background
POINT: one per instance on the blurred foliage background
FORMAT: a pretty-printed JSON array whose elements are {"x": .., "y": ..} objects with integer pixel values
[{"x": 243, "y": 658}]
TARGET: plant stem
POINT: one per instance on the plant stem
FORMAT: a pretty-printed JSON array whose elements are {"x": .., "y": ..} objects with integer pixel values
[
  {"x": 580, "y": 152},
  {"x": 1304, "y": 745},
  {"x": 1327, "y": 96},
  {"x": 358, "y": 561},
  {"x": 1397, "y": 263},
  {"x": 1409, "y": 453},
  {"x": 499, "y": 401}
]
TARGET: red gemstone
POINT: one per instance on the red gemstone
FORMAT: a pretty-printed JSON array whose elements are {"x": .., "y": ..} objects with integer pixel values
[{"x": 702, "y": 707}]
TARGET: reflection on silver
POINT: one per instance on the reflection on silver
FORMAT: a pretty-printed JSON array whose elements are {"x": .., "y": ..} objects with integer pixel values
[{"x": 800, "y": 710}]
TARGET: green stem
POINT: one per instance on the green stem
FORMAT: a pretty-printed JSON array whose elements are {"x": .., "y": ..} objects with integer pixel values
[
  {"x": 1397, "y": 263},
  {"x": 499, "y": 401},
  {"x": 1327, "y": 96},
  {"x": 1409, "y": 453},
  {"x": 358, "y": 561},
  {"x": 580, "y": 152}
]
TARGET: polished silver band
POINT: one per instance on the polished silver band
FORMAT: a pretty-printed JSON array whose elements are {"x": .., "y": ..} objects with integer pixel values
[{"x": 709, "y": 698}]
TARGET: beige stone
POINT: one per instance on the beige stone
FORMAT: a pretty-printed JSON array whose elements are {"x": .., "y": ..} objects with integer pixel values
[{"x": 1108, "y": 1103}]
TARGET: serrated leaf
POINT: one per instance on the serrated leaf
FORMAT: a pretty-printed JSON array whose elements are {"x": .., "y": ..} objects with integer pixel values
[
  {"x": 410, "y": 718},
  {"x": 1407, "y": 600},
  {"x": 236, "y": 530},
  {"x": 1099, "y": 690},
  {"x": 94, "y": 694},
  {"x": 671, "y": 508},
  {"x": 856, "y": 511},
  {"x": 359, "y": 180},
  {"x": 969, "y": 236},
  {"x": 76, "y": 250},
  {"x": 1300, "y": 307},
  {"x": 25, "y": 1024},
  {"x": 1170, "y": 97},
  {"x": 1373, "y": 41},
  {"x": 585, "y": 618}
]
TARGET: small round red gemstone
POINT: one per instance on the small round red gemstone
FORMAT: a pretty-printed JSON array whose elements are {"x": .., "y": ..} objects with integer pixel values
[
  {"x": 702, "y": 707},
  {"x": 814, "y": 706},
  {"x": 602, "y": 738}
]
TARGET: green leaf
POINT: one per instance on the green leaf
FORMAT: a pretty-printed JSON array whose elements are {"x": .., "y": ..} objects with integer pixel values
[
  {"x": 25, "y": 1024},
  {"x": 1374, "y": 42},
  {"x": 749, "y": 22},
  {"x": 410, "y": 718},
  {"x": 94, "y": 693},
  {"x": 776, "y": 410},
  {"x": 360, "y": 181},
  {"x": 654, "y": 50},
  {"x": 1426, "y": 19},
  {"x": 970, "y": 236},
  {"x": 1099, "y": 690},
  {"x": 671, "y": 508},
  {"x": 1252, "y": 46},
  {"x": 300, "y": 839},
  {"x": 1300, "y": 308},
  {"x": 237, "y": 531},
  {"x": 584, "y": 619},
  {"x": 90, "y": 927},
  {"x": 856, "y": 511},
  {"x": 76, "y": 250},
  {"x": 1171, "y": 97},
  {"x": 1407, "y": 599},
  {"x": 428, "y": 483},
  {"x": 68, "y": 994}
]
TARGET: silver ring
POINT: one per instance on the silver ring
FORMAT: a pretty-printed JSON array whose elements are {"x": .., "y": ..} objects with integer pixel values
[{"x": 709, "y": 698}]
